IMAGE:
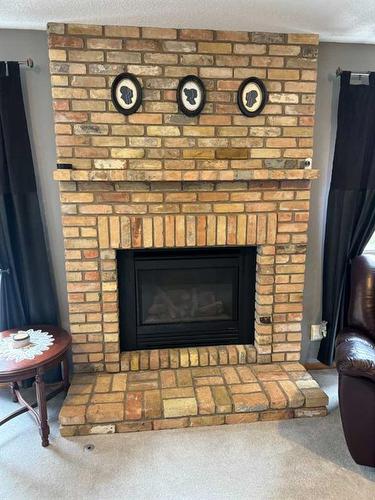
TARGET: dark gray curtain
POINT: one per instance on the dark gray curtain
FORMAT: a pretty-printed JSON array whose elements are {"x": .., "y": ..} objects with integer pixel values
[
  {"x": 26, "y": 293},
  {"x": 351, "y": 202}
]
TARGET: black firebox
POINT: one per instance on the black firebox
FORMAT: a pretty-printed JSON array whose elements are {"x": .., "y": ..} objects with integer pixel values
[{"x": 186, "y": 297}]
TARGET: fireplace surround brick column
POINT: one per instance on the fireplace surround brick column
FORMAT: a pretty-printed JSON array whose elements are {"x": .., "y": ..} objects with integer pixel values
[{"x": 158, "y": 179}]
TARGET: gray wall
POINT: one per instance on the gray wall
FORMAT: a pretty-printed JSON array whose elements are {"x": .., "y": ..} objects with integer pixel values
[
  {"x": 19, "y": 45},
  {"x": 16, "y": 44}
]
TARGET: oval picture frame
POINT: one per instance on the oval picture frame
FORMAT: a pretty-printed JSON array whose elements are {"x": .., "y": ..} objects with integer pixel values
[
  {"x": 252, "y": 96},
  {"x": 191, "y": 95},
  {"x": 126, "y": 93}
]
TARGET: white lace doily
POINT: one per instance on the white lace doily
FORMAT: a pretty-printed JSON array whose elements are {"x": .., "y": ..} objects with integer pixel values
[{"x": 39, "y": 342}]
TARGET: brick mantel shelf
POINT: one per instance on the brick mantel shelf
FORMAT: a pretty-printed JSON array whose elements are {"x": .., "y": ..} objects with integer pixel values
[{"x": 170, "y": 176}]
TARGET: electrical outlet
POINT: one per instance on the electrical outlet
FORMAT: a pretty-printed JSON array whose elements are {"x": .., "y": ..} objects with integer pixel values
[{"x": 316, "y": 332}]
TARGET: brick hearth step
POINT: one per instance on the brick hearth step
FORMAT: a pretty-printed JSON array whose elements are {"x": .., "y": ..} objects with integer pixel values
[{"x": 106, "y": 403}]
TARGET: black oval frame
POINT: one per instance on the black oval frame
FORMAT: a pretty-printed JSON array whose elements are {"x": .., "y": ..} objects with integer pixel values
[
  {"x": 262, "y": 87},
  {"x": 180, "y": 103},
  {"x": 137, "y": 85}
]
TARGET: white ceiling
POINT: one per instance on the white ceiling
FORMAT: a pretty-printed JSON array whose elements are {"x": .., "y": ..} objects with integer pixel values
[{"x": 334, "y": 20}]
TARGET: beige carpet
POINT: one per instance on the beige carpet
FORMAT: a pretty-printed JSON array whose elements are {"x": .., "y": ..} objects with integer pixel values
[{"x": 296, "y": 459}]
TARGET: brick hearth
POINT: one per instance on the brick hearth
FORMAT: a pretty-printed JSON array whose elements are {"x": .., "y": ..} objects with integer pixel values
[{"x": 189, "y": 397}]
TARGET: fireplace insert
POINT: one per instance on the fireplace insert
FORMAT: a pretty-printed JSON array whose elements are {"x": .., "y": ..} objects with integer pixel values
[{"x": 183, "y": 297}]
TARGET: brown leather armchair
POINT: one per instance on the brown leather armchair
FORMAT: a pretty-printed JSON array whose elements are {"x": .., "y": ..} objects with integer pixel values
[{"x": 355, "y": 362}]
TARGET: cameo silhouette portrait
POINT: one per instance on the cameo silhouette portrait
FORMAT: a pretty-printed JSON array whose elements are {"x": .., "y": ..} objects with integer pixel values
[
  {"x": 252, "y": 96},
  {"x": 191, "y": 95},
  {"x": 126, "y": 93}
]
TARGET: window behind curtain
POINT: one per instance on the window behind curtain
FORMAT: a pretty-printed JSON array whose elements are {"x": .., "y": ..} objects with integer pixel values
[{"x": 370, "y": 247}]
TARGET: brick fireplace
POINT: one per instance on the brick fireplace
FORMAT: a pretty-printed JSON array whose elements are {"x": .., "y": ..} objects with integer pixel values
[{"x": 158, "y": 179}]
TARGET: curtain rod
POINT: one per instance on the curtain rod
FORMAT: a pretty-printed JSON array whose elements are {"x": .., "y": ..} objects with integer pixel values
[
  {"x": 339, "y": 71},
  {"x": 28, "y": 62}
]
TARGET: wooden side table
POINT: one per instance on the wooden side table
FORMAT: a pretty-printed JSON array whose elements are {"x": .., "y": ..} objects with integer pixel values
[{"x": 15, "y": 371}]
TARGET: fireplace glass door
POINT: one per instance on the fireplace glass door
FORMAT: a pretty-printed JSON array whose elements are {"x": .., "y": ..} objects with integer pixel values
[
  {"x": 186, "y": 298},
  {"x": 187, "y": 295}
]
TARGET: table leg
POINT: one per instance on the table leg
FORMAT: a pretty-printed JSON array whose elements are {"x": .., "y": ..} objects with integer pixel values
[
  {"x": 42, "y": 405},
  {"x": 13, "y": 387},
  {"x": 65, "y": 373}
]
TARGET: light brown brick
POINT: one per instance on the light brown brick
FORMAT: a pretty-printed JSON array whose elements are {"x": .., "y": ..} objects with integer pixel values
[
  {"x": 206, "y": 404},
  {"x": 214, "y": 48},
  {"x": 222, "y": 400},
  {"x": 152, "y": 404},
  {"x": 242, "y": 418},
  {"x": 105, "y": 412},
  {"x": 122, "y": 31},
  {"x": 72, "y": 415},
  {"x": 159, "y": 33},
  {"x": 303, "y": 39},
  {"x": 180, "y": 407},
  {"x": 294, "y": 395},
  {"x": 250, "y": 402},
  {"x": 133, "y": 405}
]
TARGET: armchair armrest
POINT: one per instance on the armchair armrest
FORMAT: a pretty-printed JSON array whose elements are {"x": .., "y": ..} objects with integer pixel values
[{"x": 355, "y": 354}]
